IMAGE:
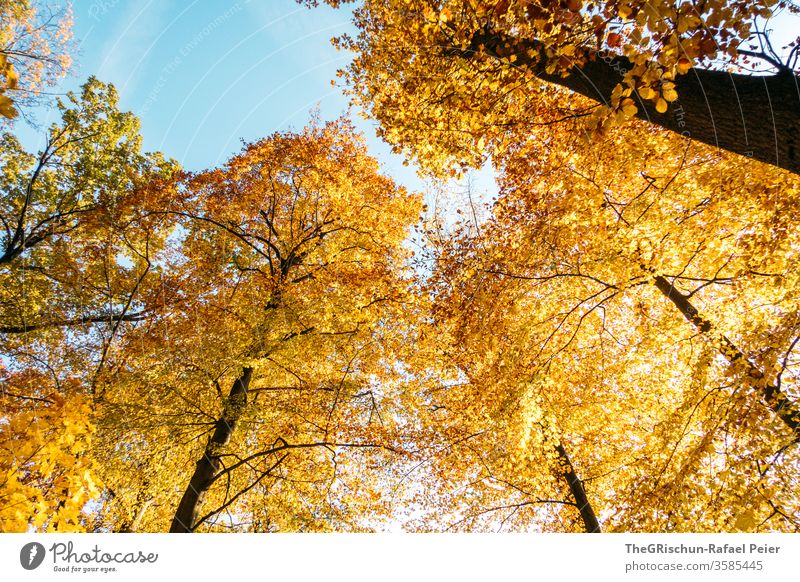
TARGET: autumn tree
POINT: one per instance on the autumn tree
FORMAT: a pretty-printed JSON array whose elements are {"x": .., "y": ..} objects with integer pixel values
[
  {"x": 250, "y": 403},
  {"x": 475, "y": 74},
  {"x": 599, "y": 228},
  {"x": 77, "y": 261},
  {"x": 34, "y": 51},
  {"x": 76, "y": 247},
  {"x": 645, "y": 317}
]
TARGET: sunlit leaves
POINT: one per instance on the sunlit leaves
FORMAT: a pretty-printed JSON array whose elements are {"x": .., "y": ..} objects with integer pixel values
[
  {"x": 553, "y": 318},
  {"x": 291, "y": 262},
  {"x": 34, "y": 39},
  {"x": 443, "y": 77},
  {"x": 46, "y": 468}
]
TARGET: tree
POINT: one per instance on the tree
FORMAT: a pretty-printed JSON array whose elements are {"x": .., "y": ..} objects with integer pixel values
[
  {"x": 567, "y": 312},
  {"x": 78, "y": 261},
  {"x": 77, "y": 249},
  {"x": 476, "y": 74},
  {"x": 34, "y": 39},
  {"x": 268, "y": 377}
]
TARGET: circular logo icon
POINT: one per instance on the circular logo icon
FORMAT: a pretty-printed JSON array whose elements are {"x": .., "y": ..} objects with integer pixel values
[{"x": 31, "y": 555}]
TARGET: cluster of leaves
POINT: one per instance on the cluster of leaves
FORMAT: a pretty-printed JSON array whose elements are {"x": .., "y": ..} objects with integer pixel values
[
  {"x": 34, "y": 40},
  {"x": 10, "y": 80},
  {"x": 47, "y": 472}
]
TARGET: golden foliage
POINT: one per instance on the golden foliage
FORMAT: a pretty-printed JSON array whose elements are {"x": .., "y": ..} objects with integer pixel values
[
  {"x": 34, "y": 37},
  {"x": 290, "y": 262}
]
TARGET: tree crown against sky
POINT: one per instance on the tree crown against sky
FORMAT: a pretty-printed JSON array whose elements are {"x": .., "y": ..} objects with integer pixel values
[
  {"x": 612, "y": 347},
  {"x": 463, "y": 78}
]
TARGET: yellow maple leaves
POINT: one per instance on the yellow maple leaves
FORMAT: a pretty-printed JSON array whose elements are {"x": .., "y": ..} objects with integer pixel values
[{"x": 47, "y": 473}]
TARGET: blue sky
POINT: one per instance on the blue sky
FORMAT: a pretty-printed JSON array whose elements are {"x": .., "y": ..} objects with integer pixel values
[{"x": 202, "y": 75}]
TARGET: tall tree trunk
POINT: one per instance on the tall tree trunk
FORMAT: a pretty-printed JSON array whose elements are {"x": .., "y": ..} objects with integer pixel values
[
  {"x": 590, "y": 522},
  {"x": 755, "y": 116},
  {"x": 208, "y": 466},
  {"x": 773, "y": 396}
]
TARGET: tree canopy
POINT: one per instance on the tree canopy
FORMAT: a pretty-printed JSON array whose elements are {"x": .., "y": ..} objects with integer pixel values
[
  {"x": 643, "y": 319},
  {"x": 293, "y": 341},
  {"x": 76, "y": 264},
  {"x": 474, "y": 74},
  {"x": 284, "y": 285}
]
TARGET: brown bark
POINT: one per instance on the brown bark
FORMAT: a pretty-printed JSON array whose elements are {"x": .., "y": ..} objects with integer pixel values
[
  {"x": 590, "y": 521},
  {"x": 772, "y": 394},
  {"x": 755, "y": 116},
  {"x": 209, "y": 465}
]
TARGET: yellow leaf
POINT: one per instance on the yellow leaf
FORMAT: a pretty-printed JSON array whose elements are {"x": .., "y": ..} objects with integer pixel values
[
  {"x": 746, "y": 521},
  {"x": 7, "y": 107},
  {"x": 647, "y": 93},
  {"x": 683, "y": 65},
  {"x": 629, "y": 107},
  {"x": 670, "y": 95}
]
